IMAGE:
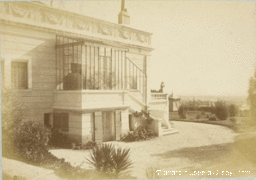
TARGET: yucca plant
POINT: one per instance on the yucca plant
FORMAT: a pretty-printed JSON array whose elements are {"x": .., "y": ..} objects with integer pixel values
[
  {"x": 151, "y": 173},
  {"x": 109, "y": 161},
  {"x": 121, "y": 161}
]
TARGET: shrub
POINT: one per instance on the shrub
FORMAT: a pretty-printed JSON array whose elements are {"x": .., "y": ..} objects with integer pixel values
[
  {"x": 198, "y": 116},
  {"x": 6, "y": 176},
  {"x": 89, "y": 145},
  {"x": 59, "y": 139},
  {"x": 109, "y": 161},
  {"x": 212, "y": 117},
  {"x": 146, "y": 115},
  {"x": 233, "y": 120},
  {"x": 208, "y": 109},
  {"x": 142, "y": 134},
  {"x": 233, "y": 110},
  {"x": 31, "y": 141},
  {"x": 221, "y": 110},
  {"x": 13, "y": 112},
  {"x": 182, "y": 111}
]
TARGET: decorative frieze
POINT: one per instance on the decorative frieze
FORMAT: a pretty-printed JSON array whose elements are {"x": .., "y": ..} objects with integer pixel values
[
  {"x": 124, "y": 34},
  {"x": 41, "y": 15},
  {"x": 52, "y": 18},
  {"x": 105, "y": 30},
  {"x": 18, "y": 10},
  {"x": 81, "y": 24},
  {"x": 142, "y": 38}
]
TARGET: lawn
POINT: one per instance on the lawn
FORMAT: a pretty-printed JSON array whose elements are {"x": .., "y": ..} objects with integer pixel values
[{"x": 241, "y": 125}]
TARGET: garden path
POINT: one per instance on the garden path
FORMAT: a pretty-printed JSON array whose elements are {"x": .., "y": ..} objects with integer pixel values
[{"x": 187, "y": 149}]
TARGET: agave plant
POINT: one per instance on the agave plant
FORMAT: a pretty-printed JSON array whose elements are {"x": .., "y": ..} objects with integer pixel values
[{"x": 109, "y": 161}]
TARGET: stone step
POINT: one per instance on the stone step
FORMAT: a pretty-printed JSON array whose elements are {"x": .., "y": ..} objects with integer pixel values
[{"x": 166, "y": 131}]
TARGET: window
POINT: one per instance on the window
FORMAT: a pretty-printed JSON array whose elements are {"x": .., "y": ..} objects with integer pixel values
[
  {"x": 19, "y": 72},
  {"x": 60, "y": 121},
  {"x": 47, "y": 120},
  {"x": 97, "y": 66}
]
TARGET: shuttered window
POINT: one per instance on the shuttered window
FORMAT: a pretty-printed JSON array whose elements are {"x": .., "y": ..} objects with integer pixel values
[
  {"x": 60, "y": 121},
  {"x": 19, "y": 71}
]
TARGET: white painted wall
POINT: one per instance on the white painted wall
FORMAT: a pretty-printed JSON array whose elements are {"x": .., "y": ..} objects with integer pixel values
[
  {"x": 87, "y": 127},
  {"x": 125, "y": 121},
  {"x": 75, "y": 126},
  {"x": 38, "y": 49}
]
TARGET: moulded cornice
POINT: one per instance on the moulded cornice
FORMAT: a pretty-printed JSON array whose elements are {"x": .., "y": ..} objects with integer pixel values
[{"x": 46, "y": 18}]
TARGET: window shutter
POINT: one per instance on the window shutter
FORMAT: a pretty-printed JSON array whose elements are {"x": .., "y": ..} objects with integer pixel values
[
  {"x": 118, "y": 123},
  {"x": 64, "y": 122},
  {"x": 57, "y": 121},
  {"x": 98, "y": 127}
]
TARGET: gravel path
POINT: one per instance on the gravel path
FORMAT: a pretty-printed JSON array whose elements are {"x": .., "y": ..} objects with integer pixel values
[
  {"x": 30, "y": 172},
  {"x": 158, "y": 152}
]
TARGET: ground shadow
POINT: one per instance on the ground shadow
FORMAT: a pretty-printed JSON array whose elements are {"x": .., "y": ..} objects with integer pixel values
[{"x": 200, "y": 154}]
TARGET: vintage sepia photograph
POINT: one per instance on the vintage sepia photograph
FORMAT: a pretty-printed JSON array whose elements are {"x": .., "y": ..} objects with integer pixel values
[{"x": 128, "y": 89}]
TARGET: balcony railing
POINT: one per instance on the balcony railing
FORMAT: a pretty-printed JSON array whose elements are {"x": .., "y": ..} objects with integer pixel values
[
  {"x": 159, "y": 97},
  {"x": 85, "y": 66}
]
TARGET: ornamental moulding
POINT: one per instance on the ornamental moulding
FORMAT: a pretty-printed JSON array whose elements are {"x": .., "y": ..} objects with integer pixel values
[
  {"x": 142, "y": 38},
  {"x": 105, "y": 30},
  {"x": 52, "y": 18},
  {"x": 125, "y": 34},
  {"x": 18, "y": 10},
  {"x": 81, "y": 25},
  {"x": 41, "y": 15}
]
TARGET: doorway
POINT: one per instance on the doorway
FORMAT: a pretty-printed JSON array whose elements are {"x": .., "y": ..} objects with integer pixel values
[{"x": 108, "y": 126}]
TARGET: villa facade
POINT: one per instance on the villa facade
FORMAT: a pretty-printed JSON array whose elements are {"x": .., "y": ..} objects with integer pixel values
[{"x": 82, "y": 75}]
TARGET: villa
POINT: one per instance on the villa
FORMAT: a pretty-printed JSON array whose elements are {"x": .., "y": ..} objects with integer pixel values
[{"x": 82, "y": 75}]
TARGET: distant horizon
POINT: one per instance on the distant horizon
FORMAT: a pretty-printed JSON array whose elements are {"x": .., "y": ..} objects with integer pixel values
[
  {"x": 237, "y": 99},
  {"x": 211, "y": 95}
]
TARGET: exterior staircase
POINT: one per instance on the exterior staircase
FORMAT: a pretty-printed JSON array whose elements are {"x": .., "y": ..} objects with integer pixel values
[
  {"x": 167, "y": 131},
  {"x": 135, "y": 101},
  {"x": 135, "y": 97}
]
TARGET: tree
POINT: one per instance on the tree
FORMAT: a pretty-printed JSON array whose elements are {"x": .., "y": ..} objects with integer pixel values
[
  {"x": 233, "y": 110},
  {"x": 252, "y": 96},
  {"x": 221, "y": 110},
  {"x": 182, "y": 111}
]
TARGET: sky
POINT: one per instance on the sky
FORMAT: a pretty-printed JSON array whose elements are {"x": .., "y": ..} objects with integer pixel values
[{"x": 200, "y": 47}]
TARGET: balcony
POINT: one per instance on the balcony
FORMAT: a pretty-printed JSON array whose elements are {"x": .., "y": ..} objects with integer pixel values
[
  {"x": 91, "y": 76},
  {"x": 90, "y": 100}
]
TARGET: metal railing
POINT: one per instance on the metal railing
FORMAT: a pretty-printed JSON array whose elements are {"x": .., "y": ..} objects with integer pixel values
[{"x": 135, "y": 78}]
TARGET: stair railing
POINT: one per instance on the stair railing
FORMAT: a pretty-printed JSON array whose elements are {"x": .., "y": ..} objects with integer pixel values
[{"x": 135, "y": 78}]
